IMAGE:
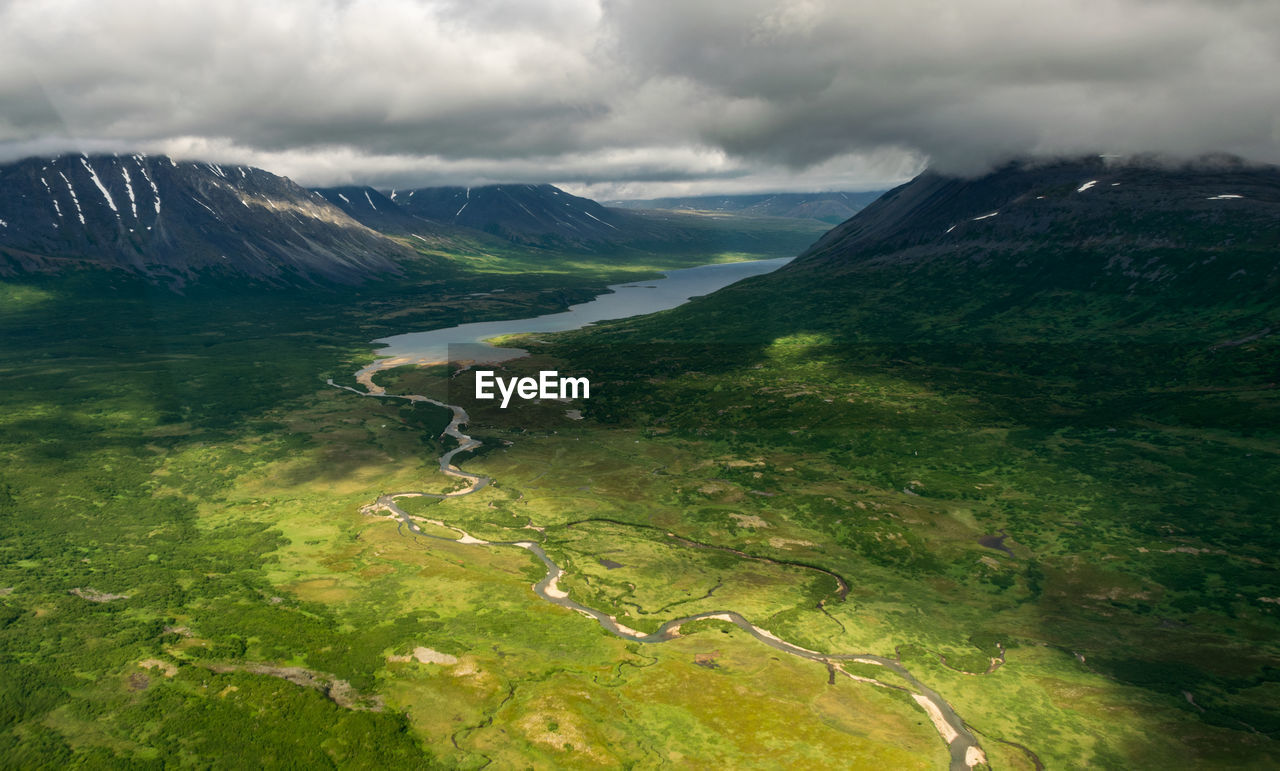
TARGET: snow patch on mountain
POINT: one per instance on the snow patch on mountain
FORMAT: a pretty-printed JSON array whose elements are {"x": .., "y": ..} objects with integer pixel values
[
  {"x": 74, "y": 199},
  {"x": 128, "y": 186},
  {"x": 105, "y": 193}
]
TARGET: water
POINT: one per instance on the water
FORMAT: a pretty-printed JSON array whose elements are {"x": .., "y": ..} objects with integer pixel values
[{"x": 465, "y": 342}]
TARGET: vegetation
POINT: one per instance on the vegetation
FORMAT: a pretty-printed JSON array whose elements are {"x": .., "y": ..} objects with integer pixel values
[
  {"x": 186, "y": 576},
  {"x": 712, "y": 239},
  {"x": 1098, "y": 502}
]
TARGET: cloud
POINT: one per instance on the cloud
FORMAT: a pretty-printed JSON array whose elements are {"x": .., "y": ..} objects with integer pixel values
[{"x": 647, "y": 96}]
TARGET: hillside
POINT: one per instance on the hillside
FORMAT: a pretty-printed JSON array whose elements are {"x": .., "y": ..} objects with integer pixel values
[
  {"x": 175, "y": 221},
  {"x": 543, "y": 218},
  {"x": 1037, "y": 407},
  {"x": 534, "y": 215},
  {"x": 372, "y": 209},
  {"x": 538, "y": 216},
  {"x": 1063, "y": 250},
  {"x": 1135, "y": 217},
  {"x": 831, "y": 208}
]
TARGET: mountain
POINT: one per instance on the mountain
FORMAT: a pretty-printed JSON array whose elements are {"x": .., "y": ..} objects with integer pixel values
[
  {"x": 831, "y": 208},
  {"x": 1080, "y": 356},
  {"x": 534, "y": 215},
  {"x": 529, "y": 215},
  {"x": 1065, "y": 250},
  {"x": 1132, "y": 223},
  {"x": 546, "y": 217},
  {"x": 376, "y": 210},
  {"x": 174, "y": 221}
]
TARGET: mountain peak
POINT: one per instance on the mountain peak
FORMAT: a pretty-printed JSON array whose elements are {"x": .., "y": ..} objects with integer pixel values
[
  {"x": 537, "y": 215},
  {"x": 174, "y": 219},
  {"x": 1119, "y": 206}
]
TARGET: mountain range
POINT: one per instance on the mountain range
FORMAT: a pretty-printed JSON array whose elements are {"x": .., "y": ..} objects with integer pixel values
[
  {"x": 1077, "y": 249},
  {"x": 1005, "y": 246},
  {"x": 547, "y": 218},
  {"x": 177, "y": 220},
  {"x": 540, "y": 216}
]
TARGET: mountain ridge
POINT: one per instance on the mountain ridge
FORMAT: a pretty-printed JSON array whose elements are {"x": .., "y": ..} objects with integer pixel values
[
  {"x": 539, "y": 216},
  {"x": 544, "y": 217},
  {"x": 175, "y": 221},
  {"x": 1080, "y": 250},
  {"x": 934, "y": 205}
]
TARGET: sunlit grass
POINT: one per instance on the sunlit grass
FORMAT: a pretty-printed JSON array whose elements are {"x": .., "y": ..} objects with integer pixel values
[{"x": 19, "y": 298}]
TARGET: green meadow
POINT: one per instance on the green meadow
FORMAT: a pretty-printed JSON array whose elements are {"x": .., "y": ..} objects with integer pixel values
[{"x": 187, "y": 579}]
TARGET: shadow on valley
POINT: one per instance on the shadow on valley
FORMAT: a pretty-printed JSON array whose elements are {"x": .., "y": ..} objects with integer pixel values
[{"x": 1129, "y": 456}]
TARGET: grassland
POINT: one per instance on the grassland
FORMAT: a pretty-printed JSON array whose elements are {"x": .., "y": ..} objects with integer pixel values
[
  {"x": 1132, "y": 474},
  {"x": 186, "y": 579},
  {"x": 183, "y": 455},
  {"x": 710, "y": 238},
  {"x": 1062, "y": 623}
]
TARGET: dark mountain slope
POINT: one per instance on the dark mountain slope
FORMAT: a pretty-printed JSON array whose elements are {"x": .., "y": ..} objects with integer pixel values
[
  {"x": 174, "y": 221},
  {"x": 1069, "y": 250},
  {"x": 1080, "y": 288},
  {"x": 1092, "y": 373},
  {"x": 375, "y": 210},
  {"x": 543, "y": 217},
  {"x": 535, "y": 215},
  {"x": 1107, "y": 222}
]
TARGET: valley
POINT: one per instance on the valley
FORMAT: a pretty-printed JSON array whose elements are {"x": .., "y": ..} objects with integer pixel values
[
  {"x": 964, "y": 750},
  {"x": 429, "y": 385},
  {"x": 843, "y": 514}
]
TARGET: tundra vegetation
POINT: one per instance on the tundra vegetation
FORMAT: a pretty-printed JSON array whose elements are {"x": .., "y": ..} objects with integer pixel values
[{"x": 180, "y": 462}]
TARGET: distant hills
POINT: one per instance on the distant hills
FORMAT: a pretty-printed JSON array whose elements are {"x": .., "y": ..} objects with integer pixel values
[
  {"x": 831, "y": 208},
  {"x": 546, "y": 217},
  {"x": 175, "y": 221},
  {"x": 532, "y": 215},
  {"x": 538, "y": 215}
]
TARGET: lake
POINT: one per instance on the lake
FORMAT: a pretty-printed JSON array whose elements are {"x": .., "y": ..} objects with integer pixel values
[{"x": 465, "y": 342}]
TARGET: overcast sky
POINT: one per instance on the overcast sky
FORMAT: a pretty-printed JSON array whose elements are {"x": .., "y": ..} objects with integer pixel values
[{"x": 635, "y": 98}]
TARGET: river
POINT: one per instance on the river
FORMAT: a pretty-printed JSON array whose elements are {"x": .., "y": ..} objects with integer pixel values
[{"x": 625, "y": 300}]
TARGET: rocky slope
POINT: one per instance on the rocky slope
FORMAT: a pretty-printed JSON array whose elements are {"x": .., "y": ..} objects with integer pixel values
[
  {"x": 1132, "y": 225},
  {"x": 544, "y": 217},
  {"x": 1084, "y": 251},
  {"x": 176, "y": 221}
]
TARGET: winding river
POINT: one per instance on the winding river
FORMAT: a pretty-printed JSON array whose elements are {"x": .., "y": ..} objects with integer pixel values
[{"x": 963, "y": 747}]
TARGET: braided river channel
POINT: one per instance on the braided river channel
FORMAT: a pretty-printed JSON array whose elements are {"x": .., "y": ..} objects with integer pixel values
[{"x": 624, "y": 300}]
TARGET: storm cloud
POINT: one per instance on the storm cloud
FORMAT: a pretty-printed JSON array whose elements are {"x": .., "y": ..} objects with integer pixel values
[{"x": 639, "y": 97}]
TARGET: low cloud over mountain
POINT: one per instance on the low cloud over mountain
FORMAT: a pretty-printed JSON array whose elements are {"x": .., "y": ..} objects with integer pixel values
[{"x": 627, "y": 98}]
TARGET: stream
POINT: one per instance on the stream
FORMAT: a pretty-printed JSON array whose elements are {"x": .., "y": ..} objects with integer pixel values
[{"x": 963, "y": 747}]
